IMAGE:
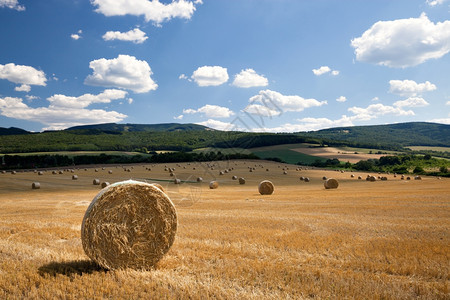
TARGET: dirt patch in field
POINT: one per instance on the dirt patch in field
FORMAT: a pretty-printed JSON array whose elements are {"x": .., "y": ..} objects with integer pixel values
[{"x": 331, "y": 152}]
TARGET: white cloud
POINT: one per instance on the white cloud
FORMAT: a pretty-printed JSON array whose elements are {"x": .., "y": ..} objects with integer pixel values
[
  {"x": 75, "y": 36},
  {"x": 210, "y": 75},
  {"x": 322, "y": 70},
  {"x": 262, "y": 110},
  {"x": 124, "y": 72},
  {"x": 136, "y": 36},
  {"x": 180, "y": 117},
  {"x": 130, "y": 100},
  {"x": 31, "y": 98},
  {"x": 211, "y": 111},
  {"x": 341, "y": 99},
  {"x": 23, "y": 88},
  {"x": 271, "y": 103},
  {"x": 13, "y": 4},
  {"x": 219, "y": 125},
  {"x": 409, "y": 88},
  {"x": 412, "y": 102},
  {"x": 86, "y": 99},
  {"x": 183, "y": 76},
  {"x": 24, "y": 75},
  {"x": 435, "y": 2},
  {"x": 442, "y": 121},
  {"x": 375, "y": 110},
  {"x": 64, "y": 111},
  {"x": 375, "y": 99},
  {"x": 154, "y": 11},
  {"x": 448, "y": 103},
  {"x": 403, "y": 43},
  {"x": 249, "y": 78}
]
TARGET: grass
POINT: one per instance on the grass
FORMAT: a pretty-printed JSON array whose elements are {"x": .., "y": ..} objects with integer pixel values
[
  {"x": 379, "y": 240},
  {"x": 421, "y": 148}
]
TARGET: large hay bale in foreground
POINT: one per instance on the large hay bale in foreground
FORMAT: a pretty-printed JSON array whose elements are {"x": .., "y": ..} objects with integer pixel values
[
  {"x": 129, "y": 224},
  {"x": 266, "y": 187},
  {"x": 213, "y": 185},
  {"x": 331, "y": 183},
  {"x": 159, "y": 186}
]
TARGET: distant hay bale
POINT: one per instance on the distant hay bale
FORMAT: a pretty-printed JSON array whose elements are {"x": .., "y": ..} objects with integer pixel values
[
  {"x": 35, "y": 185},
  {"x": 371, "y": 178},
  {"x": 285, "y": 172},
  {"x": 324, "y": 178},
  {"x": 302, "y": 178},
  {"x": 96, "y": 181},
  {"x": 384, "y": 178},
  {"x": 3, "y": 172},
  {"x": 177, "y": 181},
  {"x": 266, "y": 187},
  {"x": 241, "y": 180},
  {"x": 61, "y": 172},
  {"x": 74, "y": 177},
  {"x": 359, "y": 177},
  {"x": 54, "y": 172},
  {"x": 110, "y": 172},
  {"x": 408, "y": 178},
  {"x": 307, "y": 179},
  {"x": 417, "y": 178},
  {"x": 221, "y": 173},
  {"x": 234, "y": 177},
  {"x": 403, "y": 177},
  {"x": 267, "y": 170},
  {"x": 199, "y": 179},
  {"x": 40, "y": 173},
  {"x": 352, "y": 176},
  {"x": 171, "y": 174},
  {"x": 213, "y": 185},
  {"x": 13, "y": 172},
  {"x": 331, "y": 183},
  {"x": 129, "y": 224},
  {"x": 105, "y": 184}
]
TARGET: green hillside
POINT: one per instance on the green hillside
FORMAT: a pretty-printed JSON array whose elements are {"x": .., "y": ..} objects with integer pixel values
[{"x": 395, "y": 135}]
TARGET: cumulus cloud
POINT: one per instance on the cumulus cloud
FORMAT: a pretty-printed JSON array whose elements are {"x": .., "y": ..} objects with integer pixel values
[
  {"x": 271, "y": 103},
  {"x": 376, "y": 110},
  {"x": 180, "y": 117},
  {"x": 75, "y": 36},
  {"x": 403, "y": 43},
  {"x": 435, "y": 2},
  {"x": 441, "y": 120},
  {"x": 124, "y": 72},
  {"x": 210, "y": 76},
  {"x": 408, "y": 88},
  {"x": 249, "y": 78},
  {"x": 136, "y": 36},
  {"x": 341, "y": 99},
  {"x": 24, "y": 75},
  {"x": 154, "y": 11},
  {"x": 323, "y": 70},
  {"x": 412, "y": 102},
  {"x": 13, "y": 4},
  {"x": 215, "y": 124},
  {"x": 64, "y": 111},
  {"x": 211, "y": 111},
  {"x": 448, "y": 103},
  {"x": 23, "y": 88}
]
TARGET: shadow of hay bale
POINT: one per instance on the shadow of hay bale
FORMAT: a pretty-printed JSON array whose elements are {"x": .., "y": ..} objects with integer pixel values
[{"x": 71, "y": 268}]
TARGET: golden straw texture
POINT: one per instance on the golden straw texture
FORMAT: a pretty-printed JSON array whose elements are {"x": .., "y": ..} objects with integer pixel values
[{"x": 129, "y": 224}]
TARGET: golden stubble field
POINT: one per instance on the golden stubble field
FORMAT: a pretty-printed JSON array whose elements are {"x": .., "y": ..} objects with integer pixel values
[{"x": 365, "y": 240}]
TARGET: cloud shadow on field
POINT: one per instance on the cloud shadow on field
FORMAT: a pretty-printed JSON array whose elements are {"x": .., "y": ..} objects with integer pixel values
[{"x": 70, "y": 268}]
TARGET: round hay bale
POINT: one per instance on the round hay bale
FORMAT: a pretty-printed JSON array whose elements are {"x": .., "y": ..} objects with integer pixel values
[
  {"x": 177, "y": 181},
  {"x": 267, "y": 170},
  {"x": 234, "y": 177},
  {"x": 13, "y": 172},
  {"x": 417, "y": 178},
  {"x": 306, "y": 179},
  {"x": 384, "y": 178},
  {"x": 331, "y": 183},
  {"x": 159, "y": 187},
  {"x": 40, "y": 173},
  {"x": 129, "y": 224},
  {"x": 266, "y": 187},
  {"x": 241, "y": 180},
  {"x": 285, "y": 172},
  {"x": 371, "y": 178},
  {"x": 96, "y": 170},
  {"x": 408, "y": 178},
  {"x": 324, "y": 178},
  {"x": 352, "y": 176},
  {"x": 221, "y": 173},
  {"x": 61, "y": 172},
  {"x": 110, "y": 172},
  {"x": 199, "y": 179},
  {"x": 54, "y": 172},
  {"x": 35, "y": 185},
  {"x": 302, "y": 178},
  {"x": 359, "y": 177},
  {"x": 96, "y": 181},
  {"x": 213, "y": 185},
  {"x": 74, "y": 177}
]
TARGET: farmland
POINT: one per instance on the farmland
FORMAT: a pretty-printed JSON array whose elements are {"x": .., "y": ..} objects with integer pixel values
[{"x": 384, "y": 239}]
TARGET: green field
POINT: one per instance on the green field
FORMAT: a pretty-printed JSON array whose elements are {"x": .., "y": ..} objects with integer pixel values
[{"x": 285, "y": 153}]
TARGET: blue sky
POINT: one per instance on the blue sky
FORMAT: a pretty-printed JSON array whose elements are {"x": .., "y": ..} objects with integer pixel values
[{"x": 260, "y": 65}]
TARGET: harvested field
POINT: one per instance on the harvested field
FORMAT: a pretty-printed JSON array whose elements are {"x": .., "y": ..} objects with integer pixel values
[
  {"x": 383, "y": 239},
  {"x": 342, "y": 155}
]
